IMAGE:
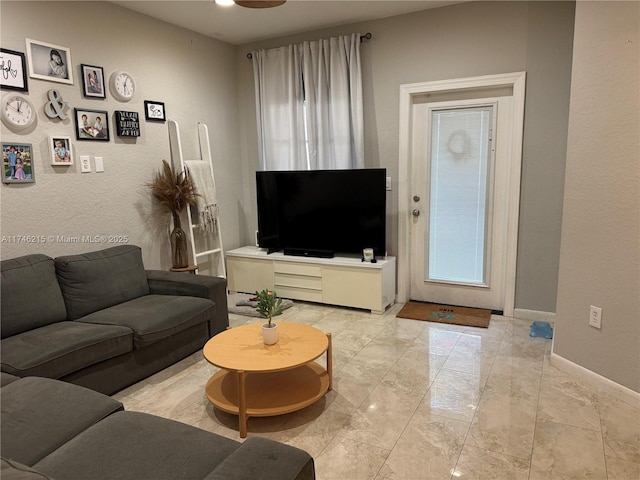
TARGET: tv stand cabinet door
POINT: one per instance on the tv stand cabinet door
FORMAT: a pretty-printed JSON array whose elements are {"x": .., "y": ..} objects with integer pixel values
[
  {"x": 353, "y": 287},
  {"x": 249, "y": 275}
]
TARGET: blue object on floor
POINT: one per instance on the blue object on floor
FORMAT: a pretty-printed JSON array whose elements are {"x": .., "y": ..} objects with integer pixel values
[{"x": 541, "y": 329}]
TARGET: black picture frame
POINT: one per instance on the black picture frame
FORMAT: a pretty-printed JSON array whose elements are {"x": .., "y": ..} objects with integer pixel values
[
  {"x": 127, "y": 123},
  {"x": 13, "y": 67},
  {"x": 93, "y": 85},
  {"x": 9, "y": 173},
  {"x": 90, "y": 128},
  {"x": 154, "y": 111}
]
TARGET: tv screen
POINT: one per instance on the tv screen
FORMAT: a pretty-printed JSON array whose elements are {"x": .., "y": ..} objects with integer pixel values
[{"x": 321, "y": 212}]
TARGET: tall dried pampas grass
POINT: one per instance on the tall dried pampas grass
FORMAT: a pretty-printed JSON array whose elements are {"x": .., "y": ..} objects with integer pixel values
[{"x": 173, "y": 190}]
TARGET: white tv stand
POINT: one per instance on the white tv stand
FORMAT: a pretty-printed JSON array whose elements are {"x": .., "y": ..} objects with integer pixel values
[{"x": 342, "y": 280}]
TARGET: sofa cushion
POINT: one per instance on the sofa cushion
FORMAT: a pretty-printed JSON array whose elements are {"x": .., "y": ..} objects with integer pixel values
[
  {"x": 133, "y": 445},
  {"x": 6, "y": 379},
  {"x": 61, "y": 348},
  {"x": 12, "y": 470},
  {"x": 39, "y": 415},
  {"x": 267, "y": 460},
  {"x": 96, "y": 280},
  {"x": 155, "y": 317},
  {"x": 30, "y": 293}
]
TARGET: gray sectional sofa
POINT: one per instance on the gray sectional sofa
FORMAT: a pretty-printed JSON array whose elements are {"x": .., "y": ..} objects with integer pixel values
[
  {"x": 53, "y": 430},
  {"x": 100, "y": 319}
]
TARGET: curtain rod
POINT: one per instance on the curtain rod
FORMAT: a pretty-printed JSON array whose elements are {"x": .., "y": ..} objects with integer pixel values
[{"x": 366, "y": 36}]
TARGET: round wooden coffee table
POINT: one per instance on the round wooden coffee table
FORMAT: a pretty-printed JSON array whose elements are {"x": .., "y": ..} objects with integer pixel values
[{"x": 261, "y": 380}]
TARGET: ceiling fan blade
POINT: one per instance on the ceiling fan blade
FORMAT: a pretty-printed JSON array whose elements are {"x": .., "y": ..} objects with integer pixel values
[{"x": 260, "y": 3}]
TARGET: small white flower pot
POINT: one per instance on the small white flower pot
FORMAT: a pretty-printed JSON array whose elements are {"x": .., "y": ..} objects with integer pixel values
[{"x": 270, "y": 334}]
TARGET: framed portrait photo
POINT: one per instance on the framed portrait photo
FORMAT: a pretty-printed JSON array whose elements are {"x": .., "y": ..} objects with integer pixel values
[
  {"x": 154, "y": 111},
  {"x": 91, "y": 124},
  {"x": 93, "y": 81},
  {"x": 49, "y": 62},
  {"x": 17, "y": 163},
  {"x": 14, "y": 70},
  {"x": 61, "y": 153}
]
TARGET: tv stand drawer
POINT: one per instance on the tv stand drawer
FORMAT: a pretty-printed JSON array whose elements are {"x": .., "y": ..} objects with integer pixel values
[
  {"x": 290, "y": 268},
  {"x": 297, "y": 293},
  {"x": 296, "y": 281}
]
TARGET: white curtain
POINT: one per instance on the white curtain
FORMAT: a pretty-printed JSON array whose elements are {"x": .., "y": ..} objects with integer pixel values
[{"x": 309, "y": 105}]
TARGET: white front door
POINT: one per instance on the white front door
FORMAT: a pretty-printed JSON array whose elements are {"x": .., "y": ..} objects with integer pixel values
[
  {"x": 460, "y": 151},
  {"x": 488, "y": 280}
]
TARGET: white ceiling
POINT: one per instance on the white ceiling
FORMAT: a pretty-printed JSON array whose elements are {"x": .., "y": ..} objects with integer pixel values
[{"x": 237, "y": 25}]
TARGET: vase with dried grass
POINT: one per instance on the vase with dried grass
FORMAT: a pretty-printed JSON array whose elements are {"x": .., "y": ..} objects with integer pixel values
[{"x": 174, "y": 191}]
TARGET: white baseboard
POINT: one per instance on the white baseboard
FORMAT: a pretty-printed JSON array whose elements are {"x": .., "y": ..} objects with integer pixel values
[
  {"x": 534, "y": 315},
  {"x": 615, "y": 389}
]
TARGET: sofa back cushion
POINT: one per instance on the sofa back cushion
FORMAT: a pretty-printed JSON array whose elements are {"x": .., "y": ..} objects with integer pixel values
[
  {"x": 30, "y": 293},
  {"x": 97, "y": 280}
]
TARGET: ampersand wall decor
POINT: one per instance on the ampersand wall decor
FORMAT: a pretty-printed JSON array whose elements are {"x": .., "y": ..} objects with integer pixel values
[{"x": 55, "y": 106}]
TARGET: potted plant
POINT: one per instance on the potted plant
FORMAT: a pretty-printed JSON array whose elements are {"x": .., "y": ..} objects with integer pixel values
[
  {"x": 174, "y": 191},
  {"x": 269, "y": 306}
]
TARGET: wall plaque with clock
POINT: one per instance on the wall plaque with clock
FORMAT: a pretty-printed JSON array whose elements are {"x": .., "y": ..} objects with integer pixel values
[
  {"x": 18, "y": 113},
  {"x": 127, "y": 124},
  {"x": 122, "y": 85}
]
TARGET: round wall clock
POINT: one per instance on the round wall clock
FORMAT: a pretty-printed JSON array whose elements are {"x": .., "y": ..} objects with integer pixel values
[
  {"x": 17, "y": 112},
  {"x": 123, "y": 86}
]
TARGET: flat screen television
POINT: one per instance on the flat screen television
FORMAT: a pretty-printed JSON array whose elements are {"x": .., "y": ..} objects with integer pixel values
[{"x": 322, "y": 212}]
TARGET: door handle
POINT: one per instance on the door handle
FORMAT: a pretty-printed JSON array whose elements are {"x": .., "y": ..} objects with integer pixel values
[{"x": 415, "y": 212}]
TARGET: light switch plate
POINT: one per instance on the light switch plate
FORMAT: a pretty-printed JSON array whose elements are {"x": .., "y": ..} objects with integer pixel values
[
  {"x": 99, "y": 164},
  {"x": 85, "y": 164}
]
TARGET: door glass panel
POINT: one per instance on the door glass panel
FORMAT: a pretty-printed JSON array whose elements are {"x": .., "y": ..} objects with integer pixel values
[{"x": 459, "y": 187}]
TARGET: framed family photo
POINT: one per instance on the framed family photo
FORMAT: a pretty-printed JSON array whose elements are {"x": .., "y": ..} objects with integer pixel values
[
  {"x": 93, "y": 81},
  {"x": 91, "y": 124},
  {"x": 61, "y": 153},
  {"x": 154, "y": 111},
  {"x": 17, "y": 163},
  {"x": 14, "y": 70},
  {"x": 49, "y": 62}
]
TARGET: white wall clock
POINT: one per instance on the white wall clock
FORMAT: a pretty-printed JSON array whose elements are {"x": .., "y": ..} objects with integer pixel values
[
  {"x": 123, "y": 86},
  {"x": 18, "y": 113}
]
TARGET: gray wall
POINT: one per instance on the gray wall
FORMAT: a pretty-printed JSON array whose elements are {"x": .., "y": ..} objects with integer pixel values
[
  {"x": 201, "y": 79},
  {"x": 600, "y": 252},
  {"x": 193, "y": 75},
  {"x": 470, "y": 39}
]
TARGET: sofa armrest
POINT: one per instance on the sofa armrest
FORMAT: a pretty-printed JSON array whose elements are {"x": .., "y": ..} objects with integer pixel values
[
  {"x": 204, "y": 286},
  {"x": 265, "y": 459}
]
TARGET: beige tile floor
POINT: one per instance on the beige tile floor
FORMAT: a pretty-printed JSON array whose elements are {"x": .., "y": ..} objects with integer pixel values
[{"x": 420, "y": 400}]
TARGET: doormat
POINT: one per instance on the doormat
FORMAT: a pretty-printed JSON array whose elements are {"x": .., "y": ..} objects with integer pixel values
[
  {"x": 434, "y": 312},
  {"x": 240, "y": 304}
]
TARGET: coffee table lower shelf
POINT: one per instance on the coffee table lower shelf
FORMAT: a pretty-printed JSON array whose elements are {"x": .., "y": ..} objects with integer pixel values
[{"x": 268, "y": 394}]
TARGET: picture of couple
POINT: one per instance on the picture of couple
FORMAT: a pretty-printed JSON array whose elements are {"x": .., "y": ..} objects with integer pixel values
[{"x": 93, "y": 81}]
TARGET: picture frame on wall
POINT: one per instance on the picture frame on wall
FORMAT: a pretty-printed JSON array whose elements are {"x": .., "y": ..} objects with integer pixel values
[
  {"x": 127, "y": 124},
  {"x": 91, "y": 124},
  {"x": 49, "y": 62},
  {"x": 93, "y": 81},
  {"x": 154, "y": 111},
  {"x": 61, "y": 150},
  {"x": 14, "y": 70},
  {"x": 17, "y": 163}
]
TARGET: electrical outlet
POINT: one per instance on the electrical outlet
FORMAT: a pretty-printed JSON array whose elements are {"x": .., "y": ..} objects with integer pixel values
[
  {"x": 388, "y": 183},
  {"x": 85, "y": 165},
  {"x": 595, "y": 317}
]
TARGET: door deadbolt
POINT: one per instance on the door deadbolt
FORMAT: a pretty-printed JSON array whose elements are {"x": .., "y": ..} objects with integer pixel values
[{"x": 415, "y": 212}]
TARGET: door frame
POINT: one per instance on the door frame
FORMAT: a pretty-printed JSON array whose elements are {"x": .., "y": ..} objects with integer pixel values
[{"x": 516, "y": 81}]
